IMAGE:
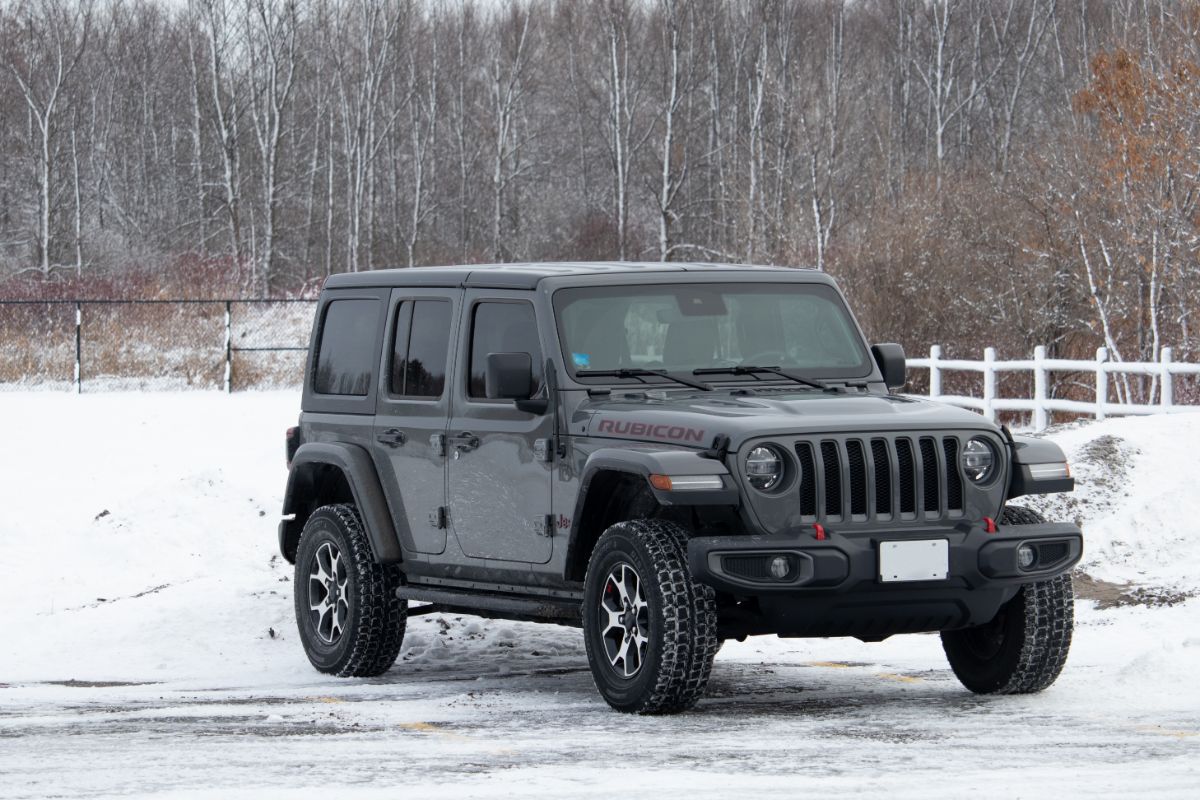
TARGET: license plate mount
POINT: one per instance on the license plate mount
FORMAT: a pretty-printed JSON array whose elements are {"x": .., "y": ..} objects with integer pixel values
[{"x": 918, "y": 560}]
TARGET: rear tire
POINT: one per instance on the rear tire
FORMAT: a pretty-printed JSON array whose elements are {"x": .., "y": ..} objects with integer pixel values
[
  {"x": 1024, "y": 648},
  {"x": 650, "y": 630},
  {"x": 350, "y": 621}
]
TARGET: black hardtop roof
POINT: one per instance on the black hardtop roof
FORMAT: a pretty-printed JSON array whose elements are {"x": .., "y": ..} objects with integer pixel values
[{"x": 527, "y": 276}]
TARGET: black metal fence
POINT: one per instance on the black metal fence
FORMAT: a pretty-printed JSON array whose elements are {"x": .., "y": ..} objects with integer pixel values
[{"x": 165, "y": 344}]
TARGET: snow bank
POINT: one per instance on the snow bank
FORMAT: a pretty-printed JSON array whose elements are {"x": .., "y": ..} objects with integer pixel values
[{"x": 1137, "y": 498}]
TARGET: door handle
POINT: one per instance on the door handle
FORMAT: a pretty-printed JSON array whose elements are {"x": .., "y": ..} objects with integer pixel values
[
  {"x": 465, "y": 441},
  {"x": 392, "y": 437}
]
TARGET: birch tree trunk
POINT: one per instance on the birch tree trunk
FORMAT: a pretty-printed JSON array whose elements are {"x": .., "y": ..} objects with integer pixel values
[
  {"x": 226, "y": 102},
  {"x": 54, "y": 40},
  {"x": 270, "y": 29}
]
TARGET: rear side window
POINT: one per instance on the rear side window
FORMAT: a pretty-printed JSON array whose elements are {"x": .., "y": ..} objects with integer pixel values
[
  {"x": 348, "y": 348},
  {"x": 503, "y": 328},
  {"x": 422, "y": 342}
]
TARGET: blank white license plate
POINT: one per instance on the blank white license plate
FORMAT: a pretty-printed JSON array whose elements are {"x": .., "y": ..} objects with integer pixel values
[{"x": 925, "y": 560}]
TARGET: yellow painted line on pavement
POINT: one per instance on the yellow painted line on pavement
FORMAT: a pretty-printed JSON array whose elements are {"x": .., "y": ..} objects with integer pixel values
[
  {"x": 418, "y": 726},
  {"x": 430, "y": 727},
  {"x": 1161, "y": 731},
  {"x": 828, "y": 664},
  {"x": 891, "y": 676}
]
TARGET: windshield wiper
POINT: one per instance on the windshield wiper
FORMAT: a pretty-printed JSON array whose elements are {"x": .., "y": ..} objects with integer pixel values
[
  {"x": 743, "y": 369},
  {"x": 636, "y": 372}
]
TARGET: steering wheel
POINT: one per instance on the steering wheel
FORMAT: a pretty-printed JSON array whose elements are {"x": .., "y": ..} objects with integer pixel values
[{"x": 767, "y": 358}]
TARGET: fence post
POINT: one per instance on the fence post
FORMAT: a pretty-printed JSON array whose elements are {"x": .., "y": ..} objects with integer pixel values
[
  {"x": 228, "y": 347},
  {"x": 78, "y": 348},
  {"x": 989, "y": 382},
  {"x": 1166, "y": 394},
  {"x": 1101, "y": 382},
  {"x": 1041, "y": 418},
  {"x": 935, "y": 372}
]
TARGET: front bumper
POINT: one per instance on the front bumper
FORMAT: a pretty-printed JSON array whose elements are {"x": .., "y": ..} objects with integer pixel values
[
  {"x": 842, "y": 562},
  {"x": 834, "y": 586}
]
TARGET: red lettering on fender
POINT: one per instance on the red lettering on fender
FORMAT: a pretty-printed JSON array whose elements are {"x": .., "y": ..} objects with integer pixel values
[{"x": 673, "y": 433}]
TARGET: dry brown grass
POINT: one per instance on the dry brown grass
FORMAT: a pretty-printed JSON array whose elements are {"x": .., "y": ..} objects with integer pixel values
[{"x": 152, "y": 345}]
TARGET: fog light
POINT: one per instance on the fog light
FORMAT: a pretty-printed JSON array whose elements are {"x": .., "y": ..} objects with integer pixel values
[
  {"x": 1025, "y": 556},
  {"x": 780, "y": 567}
]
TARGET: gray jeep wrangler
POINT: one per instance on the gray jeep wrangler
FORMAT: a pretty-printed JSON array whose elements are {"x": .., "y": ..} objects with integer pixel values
[{"x": 666, "y": 455}]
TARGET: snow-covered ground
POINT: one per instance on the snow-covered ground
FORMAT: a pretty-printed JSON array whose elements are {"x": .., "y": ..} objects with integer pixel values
[{"x": 148, "y": 648}]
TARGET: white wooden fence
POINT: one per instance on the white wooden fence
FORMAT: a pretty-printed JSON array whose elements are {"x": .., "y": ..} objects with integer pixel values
[{"x": 1162, "y": 372}]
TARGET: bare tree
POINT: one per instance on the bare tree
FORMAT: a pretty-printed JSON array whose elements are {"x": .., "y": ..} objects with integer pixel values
[
  {"x": 625, "y": 131},
  {"x": 942, "y": 72},
  {"x": 509, "y": 62},
  {"x": 421, "y": 99},
  {"x": 366, "y": 34},
  {"x": 226, "y": 88},
  {"x": 678, "y": 82},
  {"x": 270, "y": 30},
  {"x": 43, "y": 55}
]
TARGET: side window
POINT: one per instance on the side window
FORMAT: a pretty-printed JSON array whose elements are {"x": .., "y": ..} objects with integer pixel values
[
  {"x": 499, "y": 327},
  {"x": 348, "y": 347},
  {"x": 422, "y": 342}
]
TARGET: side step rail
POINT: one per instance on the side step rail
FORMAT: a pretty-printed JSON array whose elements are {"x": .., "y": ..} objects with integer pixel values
[{"x": 536, "y": 609}]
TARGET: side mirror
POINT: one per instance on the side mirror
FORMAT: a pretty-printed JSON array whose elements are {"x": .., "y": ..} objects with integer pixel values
[
  {"x": 890, "y": 358},
  {"x": 509, "y": 376}
]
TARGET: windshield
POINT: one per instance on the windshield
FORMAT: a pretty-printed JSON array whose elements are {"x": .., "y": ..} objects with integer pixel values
[{"x": 803, "y": 327}]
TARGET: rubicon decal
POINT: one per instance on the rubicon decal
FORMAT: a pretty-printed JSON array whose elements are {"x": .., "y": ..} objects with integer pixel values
[{"x": 675, "y": 433}]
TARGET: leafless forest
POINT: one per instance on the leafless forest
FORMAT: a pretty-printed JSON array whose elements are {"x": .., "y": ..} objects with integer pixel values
[{"x": 975, "y": 172}]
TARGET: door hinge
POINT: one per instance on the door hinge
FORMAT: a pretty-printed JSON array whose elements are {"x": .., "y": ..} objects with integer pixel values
[
  {"x": 542, "y": 450},
  {"x": 438, "y": 518},
  {"x": 437, "y": 443},
  {"x": 549, "y": 522}
]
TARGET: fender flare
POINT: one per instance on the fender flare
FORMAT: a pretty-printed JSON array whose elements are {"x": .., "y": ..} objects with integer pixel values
[
  {"x": 646, "y": 461},
  {"x": 359, "y": 471},
  {"x": 641, "y": 462},
  {"x": 1033, "y": 468}
]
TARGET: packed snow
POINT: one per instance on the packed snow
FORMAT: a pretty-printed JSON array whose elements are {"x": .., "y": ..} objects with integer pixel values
[{"x": 149, "y": 648}]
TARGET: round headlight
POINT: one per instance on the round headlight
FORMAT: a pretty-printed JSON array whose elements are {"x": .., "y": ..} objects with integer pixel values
[
  {"x": 978, "y": 460},
  {"x": 764, "y": 468}
]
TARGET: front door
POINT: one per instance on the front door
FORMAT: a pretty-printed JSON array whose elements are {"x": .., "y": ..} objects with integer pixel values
[
  {"x": 498, "y": 475},
  {"x": 411, "y": 415}
]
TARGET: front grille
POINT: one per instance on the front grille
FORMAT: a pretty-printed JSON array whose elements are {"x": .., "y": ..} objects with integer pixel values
[
  {"x": 832, "y": 466},
  {"x": 883, "y": 481},
  {"x": 885, "y": 477},
  {"x": 808, "y": 480},
  {"x": 929, "y": 466},
  {"x": 954, "y": 498},
  {"x": 908, "y": 485},
  {"x": 858, "y": 477}
]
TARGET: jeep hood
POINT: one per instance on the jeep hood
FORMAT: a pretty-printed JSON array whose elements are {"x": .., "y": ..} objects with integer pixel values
[{"x": 693, "y": 418}]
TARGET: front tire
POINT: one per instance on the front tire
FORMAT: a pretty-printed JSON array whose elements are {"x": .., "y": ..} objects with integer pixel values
[
  {"x": 650, "y": 630},
  {"x": 350, "y": 621},
  {"x": 1023, "y": 649}
]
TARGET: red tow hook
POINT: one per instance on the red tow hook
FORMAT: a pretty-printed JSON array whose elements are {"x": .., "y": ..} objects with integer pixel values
[
  {"x": 819, "y": 531},
  {"x": 989, "y": 525}
]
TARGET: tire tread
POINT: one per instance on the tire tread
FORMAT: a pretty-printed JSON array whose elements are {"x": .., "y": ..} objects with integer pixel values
[
  {"x": 1048, "y": 611},
  {"x": 378, "y": 633},
  {"x": 688, "y": 617}
]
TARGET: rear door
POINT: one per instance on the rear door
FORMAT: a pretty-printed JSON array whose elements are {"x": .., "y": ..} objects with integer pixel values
[
  {"x": 498, "y": 476},
  {"x": 412, "y": 412}
]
